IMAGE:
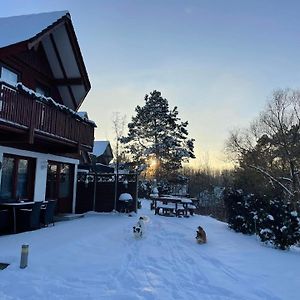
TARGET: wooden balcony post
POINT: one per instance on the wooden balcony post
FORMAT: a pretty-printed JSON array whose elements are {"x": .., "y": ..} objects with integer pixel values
[{"x": 32, "y": 123}]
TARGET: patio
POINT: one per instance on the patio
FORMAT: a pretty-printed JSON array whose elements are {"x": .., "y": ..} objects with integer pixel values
[{"x": 26, "y": 216}]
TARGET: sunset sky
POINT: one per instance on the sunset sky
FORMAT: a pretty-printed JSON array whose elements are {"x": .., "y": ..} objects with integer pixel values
[{"x": 218, "y": 61}]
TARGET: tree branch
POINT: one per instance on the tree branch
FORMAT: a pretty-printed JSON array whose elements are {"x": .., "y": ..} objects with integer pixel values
[{"x": 272, "y": 178}]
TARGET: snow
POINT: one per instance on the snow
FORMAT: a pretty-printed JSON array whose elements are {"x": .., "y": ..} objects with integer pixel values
[
  {"x": 294, "y": 213},
  {"x": 125, "y": 197},
  {"x": 21, "y": 28},
  {"x": 97, "y": 257},
  {"x": 100, "y": 147},
  {"x": 48, "y": 100}
]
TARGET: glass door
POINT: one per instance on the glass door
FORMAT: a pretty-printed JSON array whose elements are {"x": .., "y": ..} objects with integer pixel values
[
  {"x": 17, "y": 180},
  {"x": 6, "y": 191},
  {"x": 60, "y": 185}
]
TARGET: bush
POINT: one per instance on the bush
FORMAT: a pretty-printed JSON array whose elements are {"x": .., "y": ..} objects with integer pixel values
[
  {"x": 139, "y": 204},
  {"x": 280, "y": 226},
  {"x": 144, "y": 189},
  {"x": 240, "y": 216},
  {"x": 272, "y": 219}
]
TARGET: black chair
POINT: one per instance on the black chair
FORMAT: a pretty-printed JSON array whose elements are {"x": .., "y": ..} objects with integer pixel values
[
  {"x": 4, "y": 221},
  {"x": 29, "y": 219},
  {"x": 47, "y": 214}
]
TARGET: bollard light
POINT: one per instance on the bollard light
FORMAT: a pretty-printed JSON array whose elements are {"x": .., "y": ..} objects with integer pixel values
[{"x": 24, "y": 256}]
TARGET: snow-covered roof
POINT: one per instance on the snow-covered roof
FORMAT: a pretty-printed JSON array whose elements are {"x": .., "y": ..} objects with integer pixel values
[
  {"x": 83, "y": 114},
  {"x": 100, "y": 147},
  {"x": 55, "y": 32},
  {"x": 22, "y": 28}
]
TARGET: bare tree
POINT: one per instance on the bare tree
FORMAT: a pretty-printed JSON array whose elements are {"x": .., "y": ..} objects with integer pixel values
[
  {"x": 119, "y": 122},
  {"x": 271, "y": 145}
]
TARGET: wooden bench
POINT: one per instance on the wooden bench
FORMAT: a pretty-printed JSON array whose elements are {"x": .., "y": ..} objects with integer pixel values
[
  {"x": 191, "y": 209},
  {"x": 166, "y": 209},
  {"x": 180, "y": 210}
]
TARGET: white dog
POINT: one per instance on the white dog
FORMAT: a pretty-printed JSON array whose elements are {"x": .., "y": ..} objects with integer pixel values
[{"x": 139, "y": 228}]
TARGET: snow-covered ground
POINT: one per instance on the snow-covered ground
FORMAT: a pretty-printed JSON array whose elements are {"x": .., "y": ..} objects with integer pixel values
[{"x": 96, "y": 257}]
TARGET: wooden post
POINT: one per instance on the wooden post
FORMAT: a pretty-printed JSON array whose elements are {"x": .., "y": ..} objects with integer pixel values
[
  {"x": 95, "y": 190},
  {"x": 32, "y": 122},
  {"x": 136, "y": 191}
]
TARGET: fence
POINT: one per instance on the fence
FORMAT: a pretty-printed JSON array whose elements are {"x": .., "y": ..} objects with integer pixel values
[{"x": 100, "y": 192}]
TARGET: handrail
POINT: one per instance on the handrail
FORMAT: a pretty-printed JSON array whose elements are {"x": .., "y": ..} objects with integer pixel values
[{"x": 22, "y": 109}]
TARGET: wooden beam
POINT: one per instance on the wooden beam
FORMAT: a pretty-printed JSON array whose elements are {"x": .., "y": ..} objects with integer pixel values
[
  {"x": 33, "y": 42},
  {"x": 62, "y": 68},
  {"x": 32, "y": 124},
  {"x": 12, "y": 49},
  {"x": 68, "y": 81},
  {"x": 78, "y": 57},
  {"x": 11, "y": 128}
]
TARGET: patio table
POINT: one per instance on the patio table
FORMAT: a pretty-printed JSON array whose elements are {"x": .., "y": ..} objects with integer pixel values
[
  {"x": 166, "y": 199},
  {"x": 14, "y": 206}
]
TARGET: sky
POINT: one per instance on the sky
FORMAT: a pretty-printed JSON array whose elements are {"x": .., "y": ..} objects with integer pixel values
[{"x": 218, "y": 61}]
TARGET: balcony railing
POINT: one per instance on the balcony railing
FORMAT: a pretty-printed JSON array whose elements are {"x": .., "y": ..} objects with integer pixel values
[{"x": 20, "y": 109}]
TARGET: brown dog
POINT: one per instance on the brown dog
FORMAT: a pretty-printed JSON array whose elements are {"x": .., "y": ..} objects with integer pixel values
[{"x": 201, "y": 235}]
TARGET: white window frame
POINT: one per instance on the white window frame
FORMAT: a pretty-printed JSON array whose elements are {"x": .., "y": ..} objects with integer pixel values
[{"x": 9, "y": 72}]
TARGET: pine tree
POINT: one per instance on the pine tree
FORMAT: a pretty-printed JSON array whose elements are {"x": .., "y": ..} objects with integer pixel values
[{"x": 157, "y": 137}]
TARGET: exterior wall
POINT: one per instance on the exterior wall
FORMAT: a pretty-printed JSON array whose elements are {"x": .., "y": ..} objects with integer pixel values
[
  {"x": 41, "y": 169},
  {"x": 33, "y": 69}
]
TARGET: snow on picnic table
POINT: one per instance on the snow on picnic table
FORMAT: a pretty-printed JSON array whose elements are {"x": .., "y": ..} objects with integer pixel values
[{"x": 96, "y": 257}]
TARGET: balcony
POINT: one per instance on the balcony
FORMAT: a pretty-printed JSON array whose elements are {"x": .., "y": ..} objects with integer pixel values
[{"x": 39, "y": 123}]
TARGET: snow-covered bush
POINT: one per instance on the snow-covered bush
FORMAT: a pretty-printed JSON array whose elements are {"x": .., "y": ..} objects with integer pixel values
[
  {"x": 144, "y": 189},
  {"x": 280, "y": 225},
  {"x": 272, "y": 219},
  {"x": 240, "y": 216}
]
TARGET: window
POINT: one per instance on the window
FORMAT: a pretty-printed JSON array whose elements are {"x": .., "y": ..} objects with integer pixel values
[
  {"x": 17, "y": 178},
  {"x": 8, "y": 76}
]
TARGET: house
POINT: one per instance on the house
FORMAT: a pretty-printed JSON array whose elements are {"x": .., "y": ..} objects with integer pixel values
[
  {"x": 43, "y": 82},
  {"x": 102, "y": 152},
  {"x": 101, "y": 157}
]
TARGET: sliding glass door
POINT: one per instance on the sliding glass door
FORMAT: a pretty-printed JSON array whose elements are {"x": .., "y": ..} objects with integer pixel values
[{"x": 17, "y": 180}]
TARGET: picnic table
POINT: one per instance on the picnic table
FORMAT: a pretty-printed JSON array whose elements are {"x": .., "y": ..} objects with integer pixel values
[{"x": 172, "y": 205}]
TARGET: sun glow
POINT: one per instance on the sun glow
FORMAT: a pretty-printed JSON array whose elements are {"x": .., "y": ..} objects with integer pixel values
[{"x": 153, "y": 163}]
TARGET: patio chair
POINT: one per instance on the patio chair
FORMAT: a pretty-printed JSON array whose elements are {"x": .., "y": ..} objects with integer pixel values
[
  {"x": 47, "y": 214},
  {"x": 4, "y": 221},
  {"x": 29, "y": 219}
]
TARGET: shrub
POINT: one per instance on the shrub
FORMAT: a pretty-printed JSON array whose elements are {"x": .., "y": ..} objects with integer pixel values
[
  {"x": 280, "y": 226},
  {"x": 272, "y": 219}
]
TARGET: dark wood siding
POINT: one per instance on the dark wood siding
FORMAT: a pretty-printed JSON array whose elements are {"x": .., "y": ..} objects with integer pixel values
[{"x": 33, "y": 68}]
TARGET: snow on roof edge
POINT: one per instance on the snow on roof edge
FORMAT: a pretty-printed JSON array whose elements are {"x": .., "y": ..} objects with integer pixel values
[
  {"x": 16, "y": 29},
  {"x": 50, "y": 101},
  {"x": 100, "y": 147}
]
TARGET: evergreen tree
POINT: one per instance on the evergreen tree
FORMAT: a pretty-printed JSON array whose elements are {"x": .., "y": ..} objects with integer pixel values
[
  {"x": 280, "y": 226},
  {"x": 274, "y": 221},
  {"x": 157, "y": 137}
]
